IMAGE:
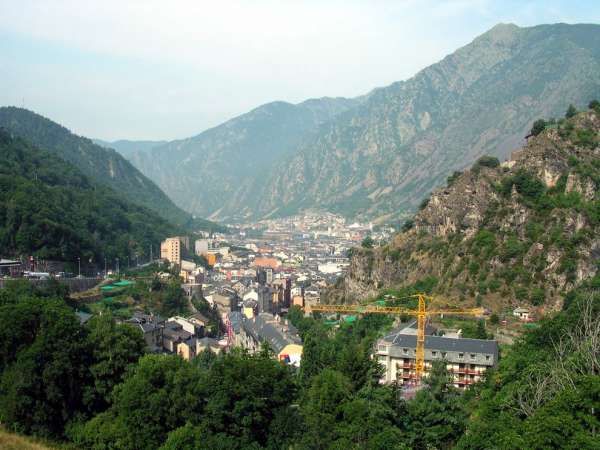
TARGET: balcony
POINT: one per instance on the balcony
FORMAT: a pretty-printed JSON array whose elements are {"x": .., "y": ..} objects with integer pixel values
[{"x": 466, "y": 371}]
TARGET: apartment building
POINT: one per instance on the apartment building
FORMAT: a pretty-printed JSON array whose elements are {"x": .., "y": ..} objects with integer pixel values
[
  {"x": 170, "y": 250},
  {"x": 466, "y": 359}
]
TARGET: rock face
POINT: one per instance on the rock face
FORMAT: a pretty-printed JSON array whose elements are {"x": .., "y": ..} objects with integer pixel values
[
  {"x": 380, "y": 159},
  {"x": 526, "y": 230},
  {"x": 222, "y": 172},
  {"x": 379, "y": 155}
]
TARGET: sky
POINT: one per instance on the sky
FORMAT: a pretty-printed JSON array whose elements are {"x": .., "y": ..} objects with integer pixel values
[{"x": 155, "y": 69}]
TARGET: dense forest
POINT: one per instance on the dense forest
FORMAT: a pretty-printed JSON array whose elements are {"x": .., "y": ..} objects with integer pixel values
[
  {"x": 105, "y": 167},
  {"x": 92, "y": 386},
  {"x": 49, "y": 209}
]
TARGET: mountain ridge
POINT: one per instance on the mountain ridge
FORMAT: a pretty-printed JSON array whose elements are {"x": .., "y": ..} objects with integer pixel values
[
  {"x": 375, "y": 157},
  {"x": 228, "y": 162}
]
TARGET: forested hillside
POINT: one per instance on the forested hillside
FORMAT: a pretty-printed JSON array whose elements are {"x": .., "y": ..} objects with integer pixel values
[
  {"x": 50, "y": 209},
  {"x": 524, "y": 231},
  {"x": 105, "y": 166}
]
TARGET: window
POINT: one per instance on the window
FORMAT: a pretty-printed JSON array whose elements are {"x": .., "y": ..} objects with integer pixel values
[
  {"x": 443, "y": 354},
  {"x": 473, "y": 356},
  {"x": 382, "y": 348},
  {"x": 487, "y": 357},
  {"x": 461, "y": 355},
  {"x": 434, "y": 354},
  {"x": 405, "y": 351}
]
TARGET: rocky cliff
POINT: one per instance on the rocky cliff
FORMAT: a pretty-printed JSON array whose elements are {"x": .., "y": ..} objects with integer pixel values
[
  {"x": 381, "y": 158},
  {"x": 524, "y": 231}
]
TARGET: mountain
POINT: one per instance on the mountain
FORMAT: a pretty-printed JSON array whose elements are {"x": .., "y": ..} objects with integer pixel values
[
  {"x": 50, "y": 209},
  {"x": 126, "y": 147},
  {"x": 221, "y": 172},
  {"x": 381, "y": 158},
  {"x": 522, "y": 232},
  {"x": 104, "y": 166}
]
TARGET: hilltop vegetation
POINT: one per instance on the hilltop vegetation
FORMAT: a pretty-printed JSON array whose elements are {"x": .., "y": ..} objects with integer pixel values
[
  {"x": 49, "y": 209},
  {"x": 525, "y": 231}
]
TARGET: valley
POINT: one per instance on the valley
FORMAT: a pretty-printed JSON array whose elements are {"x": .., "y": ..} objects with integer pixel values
[{"x": 413, "y": 267}]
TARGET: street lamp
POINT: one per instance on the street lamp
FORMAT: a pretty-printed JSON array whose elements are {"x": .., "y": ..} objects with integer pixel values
[
  {"x": 117, "y": 266},
  {"x": 105, "y": 267},
  {"x": 79, "y": 264}
]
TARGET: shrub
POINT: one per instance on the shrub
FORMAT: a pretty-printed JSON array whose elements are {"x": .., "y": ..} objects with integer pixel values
[
  {"x": 521, "y": 293},
  {"x": 409, "y": 224},
  {"x": 367, "y": 242},
  {"x": 424, "y": 204},
  {"x": 537, "y": 297},
  {"x": 585, "y": 138},
  {"x": 487, "y": 161},
  {"x": 571, "y": 111},
  {"x": 494, "y": 285},
  {"x": 528, "y": 185},
  {"x": 452, "y": 178},
  {"x": 538, "y": 126}
]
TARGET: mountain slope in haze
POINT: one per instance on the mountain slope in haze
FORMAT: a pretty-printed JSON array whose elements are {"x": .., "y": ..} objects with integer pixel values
[
  {"x": 105, "y": 166},
  {"x": 50, "y": 209},
  {"x": 525, "y": 231},
  {"x": 381, "y": 158},
  {"x": 127, "y": 148},
  {"x": 221, "y": 172}
]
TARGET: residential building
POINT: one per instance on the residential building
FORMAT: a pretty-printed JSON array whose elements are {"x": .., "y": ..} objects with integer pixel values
[
  {"x": 522, "y": 313},
  {"x": 201, "y": 247},
  {"x": 281, "y": 336},
  {"x": 170, "y": 250},
  {"x": 466, "y": 359},
  {"x": 152, "y": 327},
  {"x": 173, "y": 335}
]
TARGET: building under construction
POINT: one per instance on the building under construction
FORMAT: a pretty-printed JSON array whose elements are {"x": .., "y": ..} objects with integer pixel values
[{"x": 466, "y": 359}]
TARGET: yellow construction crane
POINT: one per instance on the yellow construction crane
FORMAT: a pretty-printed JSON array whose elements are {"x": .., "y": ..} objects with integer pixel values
[{"x": 421, "y": 313}]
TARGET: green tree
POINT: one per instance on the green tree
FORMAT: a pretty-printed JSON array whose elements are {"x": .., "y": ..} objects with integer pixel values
[
  {"x": 436, "y": 416},
  {"x": 174, "y": 301},
  {"x": 43, "y": 358},
  {"x": 161, "y": 394},
  {"x": 244, "y": 394},
  {"x": 323, "y": 408},
  {"x": 115, "y": 348},
  {"x": 571, "y": 111}
]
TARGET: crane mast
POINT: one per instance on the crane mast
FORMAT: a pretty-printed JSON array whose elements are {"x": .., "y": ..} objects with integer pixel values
[{"x": 421, "y": 314}]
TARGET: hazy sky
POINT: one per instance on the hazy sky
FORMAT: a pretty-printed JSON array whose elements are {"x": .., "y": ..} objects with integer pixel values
[{"x": 170, "y": 69}]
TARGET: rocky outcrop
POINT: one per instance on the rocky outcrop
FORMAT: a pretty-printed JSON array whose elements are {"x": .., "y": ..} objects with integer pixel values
[{"x": 522, "y": 231}]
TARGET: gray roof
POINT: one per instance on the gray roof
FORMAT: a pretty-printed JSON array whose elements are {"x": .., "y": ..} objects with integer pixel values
[
  {"x": 208, "y": 342},
  {"x": 175, "y": 331},
  {"x": 236, "y": 319},
  {"x": 445, "y": 344},
  {"x": 263, "y": 330}
]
